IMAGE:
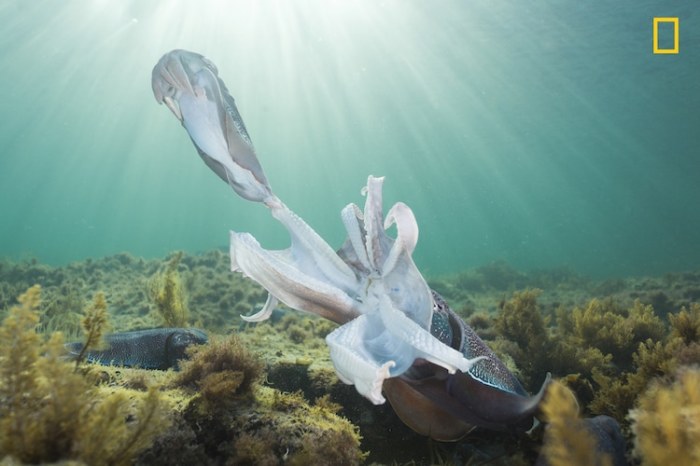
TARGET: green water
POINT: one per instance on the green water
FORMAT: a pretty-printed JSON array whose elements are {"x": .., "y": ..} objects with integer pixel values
[{"x": 542, "y": 133}]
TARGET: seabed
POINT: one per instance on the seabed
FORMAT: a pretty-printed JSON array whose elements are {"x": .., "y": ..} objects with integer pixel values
[{"x": 267, "y": 393}]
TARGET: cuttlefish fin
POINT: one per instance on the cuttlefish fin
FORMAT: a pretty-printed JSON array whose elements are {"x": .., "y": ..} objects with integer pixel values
[
  {"x": 422, "y": 415},
  {"x": 492, "y": 407},
  {"x": 467, "y": 399}
]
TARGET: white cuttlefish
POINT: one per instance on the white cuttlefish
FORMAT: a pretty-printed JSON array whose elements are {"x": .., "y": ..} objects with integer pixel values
[{"x": 370, "y": 286}]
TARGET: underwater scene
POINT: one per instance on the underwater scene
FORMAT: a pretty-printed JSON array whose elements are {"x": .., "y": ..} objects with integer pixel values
[{"x": 335, "y": 232}]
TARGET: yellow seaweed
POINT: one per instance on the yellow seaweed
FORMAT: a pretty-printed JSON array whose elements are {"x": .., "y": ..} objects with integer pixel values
[
  {"x": 94, "y": 323},
  {"x": 568, "y": 442},
  {"x": 168, "y": 294},
  {"x": 223, "y": 371},
  {"x": 666, "y": 422},
  {"x": 50, "y": 413}
]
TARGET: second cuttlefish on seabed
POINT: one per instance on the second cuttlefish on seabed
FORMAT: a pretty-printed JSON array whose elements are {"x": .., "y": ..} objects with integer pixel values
[
  {"x": 156, "y": 348},
  {"x": 396, "y": 338}
]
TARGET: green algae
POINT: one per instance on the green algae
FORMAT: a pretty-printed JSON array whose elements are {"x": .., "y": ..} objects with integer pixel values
[
  {"x": 555, "y": 330},
  {"x": 326, "y": 438},
  {"x": 222, "y": 371},
  {"x": 168, "y": 294}
]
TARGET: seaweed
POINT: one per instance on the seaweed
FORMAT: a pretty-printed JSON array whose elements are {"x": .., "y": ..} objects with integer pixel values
[
  {"x": 325, "y": 438},
  {"x": 62, "y": 310},
  {"x": 521, "y": 322},
  {"x": 653, "y": 359},
  {"x": 308, "y": 330},
  {"x": 168, "y": 294},
  {"x": 666, "y": 422},
  {"x": 567, "y": 440},
  {"x": 94, "y": 325},
  {"x": 49, "y": 412},
  {"x": 610, "y": 352},
  {"x": 614, "y": 330},
  {"x": 223, "y": 371},
  {"x": 686, "y": 324}
]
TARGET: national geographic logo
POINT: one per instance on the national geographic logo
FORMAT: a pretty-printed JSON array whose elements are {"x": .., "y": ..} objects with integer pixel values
[{"x": 666, "y": 34}]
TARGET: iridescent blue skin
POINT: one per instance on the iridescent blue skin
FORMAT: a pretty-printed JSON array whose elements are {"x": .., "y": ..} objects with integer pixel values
[
  {"x": 487, "y": 396},
  {"x": 159, "y": 348}
]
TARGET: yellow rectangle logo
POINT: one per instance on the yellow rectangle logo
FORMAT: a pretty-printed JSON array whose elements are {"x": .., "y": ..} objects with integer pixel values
[{"x": 676, "y": 40}]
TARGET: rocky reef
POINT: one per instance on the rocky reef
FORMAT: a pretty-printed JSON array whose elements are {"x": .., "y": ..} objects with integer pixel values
[{"x": 625, "y": 352}]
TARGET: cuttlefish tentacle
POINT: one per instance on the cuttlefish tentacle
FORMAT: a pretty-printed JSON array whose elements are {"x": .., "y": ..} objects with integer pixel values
[
  {"x": 311, "y": 253},
  {"x": 401, "y": 278},
  {"x": 376, "y": 240},
  {"x": 352, "y": 216},
  {"x": 424, "y": 345},
  {"x": 407, "y": 229},
  {"x": 392, "y": 326},
  {"x": 354, "y": 364}
]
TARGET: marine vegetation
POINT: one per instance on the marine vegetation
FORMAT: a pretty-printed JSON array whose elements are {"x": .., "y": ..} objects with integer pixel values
[
  {"x": 607, "y": 352},
  {"x": 521, "y": 323},
  {"x": 94, "y": 324},
  {"x": 618, "y": 389},
  {"x": 49, "y": 412},
  {"x": 228, "y": 416},
  {"x": 326, "y": 438},
  {"x": 570, "y": 440},
  {"x": 666, "y": 422},
  {"x": 62, "y": 311},
  {"x": 222, "y": 371},
  {"x": 168, "y": 294}
]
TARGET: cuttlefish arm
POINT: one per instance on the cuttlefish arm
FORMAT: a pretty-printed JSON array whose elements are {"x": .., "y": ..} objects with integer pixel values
[
  {"x": 280, "y": 275},
  {"x": 190, "y": 86},
  {"x": 394, "y": 330}
]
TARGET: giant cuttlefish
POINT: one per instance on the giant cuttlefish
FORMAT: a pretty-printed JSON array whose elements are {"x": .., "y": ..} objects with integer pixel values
[
  {"x": 156, "y": 348},
  {"x": 396, "y": 337}
]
